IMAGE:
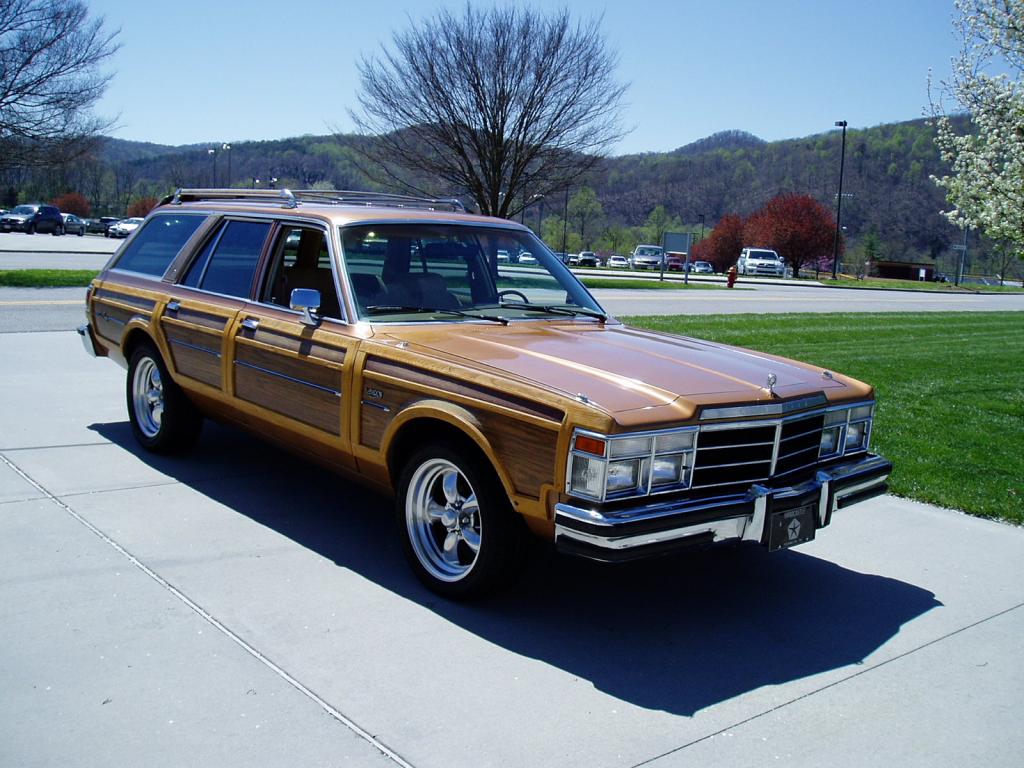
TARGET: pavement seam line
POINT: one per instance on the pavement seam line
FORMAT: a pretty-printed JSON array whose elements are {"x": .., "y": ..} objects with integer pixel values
[
  {"x": 833, "y": 684},
  {"x": 214, "y": 622}
]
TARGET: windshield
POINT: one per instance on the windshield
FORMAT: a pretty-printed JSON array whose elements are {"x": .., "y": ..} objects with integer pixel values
[
  {"x": 427, "y": 272},
  {"x": 648, "y": 251},
  {"x": 764, "y": 255},
  {"x": 24, "y": 209}
]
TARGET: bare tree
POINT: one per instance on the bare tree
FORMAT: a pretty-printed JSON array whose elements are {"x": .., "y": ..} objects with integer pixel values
[
  {"x": 50, "y": 55},
  {"x": 505, "y": 103}
]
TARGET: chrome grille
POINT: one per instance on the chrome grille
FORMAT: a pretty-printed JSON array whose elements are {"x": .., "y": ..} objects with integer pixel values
[{"x": 753, "y": 452}]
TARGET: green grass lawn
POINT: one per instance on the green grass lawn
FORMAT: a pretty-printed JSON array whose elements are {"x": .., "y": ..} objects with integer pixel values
[
  {"x": 950, "y": 391},
  {"x": 46, "y": 278}
]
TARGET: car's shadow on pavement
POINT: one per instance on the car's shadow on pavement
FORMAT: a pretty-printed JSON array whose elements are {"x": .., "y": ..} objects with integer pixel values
[{"x": 677, "y": 634}]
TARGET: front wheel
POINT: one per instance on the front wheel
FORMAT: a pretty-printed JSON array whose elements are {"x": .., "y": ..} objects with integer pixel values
[
  {"x": 162, "y": 418},
  {"x": 458, "y": 530}
]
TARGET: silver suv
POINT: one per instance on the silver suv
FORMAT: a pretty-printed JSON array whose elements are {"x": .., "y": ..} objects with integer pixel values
[{"x": 760, "y": 261}]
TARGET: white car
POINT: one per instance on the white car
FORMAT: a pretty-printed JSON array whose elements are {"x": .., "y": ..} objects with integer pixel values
[
  {"x": 760, "y": 261},
  {"x": 618, "y": 262},
  {"x": 124, "y": 228},
  {"x": 527, "y": 258}
]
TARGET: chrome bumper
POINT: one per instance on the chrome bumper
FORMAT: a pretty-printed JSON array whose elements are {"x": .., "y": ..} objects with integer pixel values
[
  {"x": 625, "y": 534},
  {"x": 87, "y": 341}
]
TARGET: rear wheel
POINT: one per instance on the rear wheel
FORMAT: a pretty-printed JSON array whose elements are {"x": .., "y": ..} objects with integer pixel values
[
  {"x": 30, "y": 229},
  {"x": 458, "y": 530},
  {"x": 162, "y": 418}
]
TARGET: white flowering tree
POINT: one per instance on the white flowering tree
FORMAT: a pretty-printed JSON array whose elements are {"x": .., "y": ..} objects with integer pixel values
[{"x": 986, "y": 186}]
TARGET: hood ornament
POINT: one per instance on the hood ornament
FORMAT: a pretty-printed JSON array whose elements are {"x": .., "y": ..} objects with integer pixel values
[{"x": 770, "y": 387}]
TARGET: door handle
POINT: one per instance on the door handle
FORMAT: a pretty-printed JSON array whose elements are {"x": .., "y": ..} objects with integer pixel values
[
  {"x": 173, "y": 305},
  {"x": 251, "y": 323}
]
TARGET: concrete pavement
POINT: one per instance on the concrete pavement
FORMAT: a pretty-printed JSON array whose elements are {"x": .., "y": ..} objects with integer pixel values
[{"x": 237, "y": 607}]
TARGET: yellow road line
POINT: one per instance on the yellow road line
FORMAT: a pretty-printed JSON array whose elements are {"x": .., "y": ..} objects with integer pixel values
[{"x": 39, "y": 303}]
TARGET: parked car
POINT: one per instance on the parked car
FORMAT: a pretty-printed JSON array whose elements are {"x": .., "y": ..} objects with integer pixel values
[
  {"x": 674, "y": 264},
  {"x": 73, "y": 225},
  {"x": 618, "y": 262},
  {"x": 587, "y": 259},
  {"x": 124, "y": 227},
  {"x": 760, "y": 261},
  {"x": 648, "y": 257},
  {"x": 32, "y": 218},
  {"x": 494, "y": 404},
  {"x": 527, "y": 259},
  {"x": 703, "y": 267},
  {"x": 100, "y": 225}
]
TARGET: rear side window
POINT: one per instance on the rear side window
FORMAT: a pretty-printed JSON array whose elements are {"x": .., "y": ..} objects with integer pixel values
[
  {"x": 228, "y": 262},
  {"x": 158, "y": 242}
]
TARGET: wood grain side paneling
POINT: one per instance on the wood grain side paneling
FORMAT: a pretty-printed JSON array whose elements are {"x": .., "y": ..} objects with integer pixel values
[
  {"x": 198, "y": 317},
  {"x": 308, "y": 371},
  {"x": 290, "y": 342},
  {"x": 315, "y": 407},
  {"x": 195, "y": 353},
  {"x": 526, "y": 452}
]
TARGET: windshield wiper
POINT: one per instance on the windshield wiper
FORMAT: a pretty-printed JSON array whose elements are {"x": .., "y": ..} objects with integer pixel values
[
  {"x": 379, "y": 309},
  {"x": 557, "y": 309}
]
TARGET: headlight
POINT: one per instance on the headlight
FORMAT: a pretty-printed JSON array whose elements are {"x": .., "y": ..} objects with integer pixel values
[
  {"x": 609, "y": 467},
  {"x": 846, "y": 430}
]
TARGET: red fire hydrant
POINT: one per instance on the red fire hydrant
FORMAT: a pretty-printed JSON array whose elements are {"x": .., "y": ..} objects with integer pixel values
[{"x": 730, "y": 279}]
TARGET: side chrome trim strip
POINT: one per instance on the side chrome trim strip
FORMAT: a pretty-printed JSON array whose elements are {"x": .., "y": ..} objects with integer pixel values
[
  {"x": 286, "y": 377},
  {"x": 196, "y": 347}
]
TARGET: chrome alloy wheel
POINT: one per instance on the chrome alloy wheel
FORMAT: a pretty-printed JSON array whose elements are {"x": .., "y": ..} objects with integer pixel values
[
  {"x": 442, "y": 515},
  {"x": 148, "y": 396}
]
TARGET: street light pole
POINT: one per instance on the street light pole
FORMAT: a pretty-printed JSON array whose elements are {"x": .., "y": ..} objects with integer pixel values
[
  {"x": 701, "y": 217},
  {"x": 227, "y": 149},
  {"x": 213, "y": 156},
  {"x": 839, "y": 204}
]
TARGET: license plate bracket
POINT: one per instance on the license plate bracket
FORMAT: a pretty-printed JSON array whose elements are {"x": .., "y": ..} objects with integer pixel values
[{"x": 790, "y": 527}]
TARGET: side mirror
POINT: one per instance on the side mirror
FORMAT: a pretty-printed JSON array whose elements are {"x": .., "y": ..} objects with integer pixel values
[{"x": 306, "y": 300}]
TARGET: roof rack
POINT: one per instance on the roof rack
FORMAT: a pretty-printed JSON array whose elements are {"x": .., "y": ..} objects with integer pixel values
[{"x": 292, "y": 199}]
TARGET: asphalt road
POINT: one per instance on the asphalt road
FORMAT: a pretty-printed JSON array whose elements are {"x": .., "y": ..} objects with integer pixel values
[{"x": 237, "y": 607}]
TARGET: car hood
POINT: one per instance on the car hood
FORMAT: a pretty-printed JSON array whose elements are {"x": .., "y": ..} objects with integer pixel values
[
  {"x": 636, "y": 376},
  {"x": 16, "y": 216}
]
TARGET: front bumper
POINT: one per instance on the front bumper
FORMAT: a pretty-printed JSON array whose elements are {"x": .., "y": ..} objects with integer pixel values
[
  {"x": 13, "y": 225},
  {"x": 658, "y": 528}
]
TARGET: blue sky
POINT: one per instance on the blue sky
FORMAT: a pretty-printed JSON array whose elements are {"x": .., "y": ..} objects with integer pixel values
[{"x": 191, "y": 72}]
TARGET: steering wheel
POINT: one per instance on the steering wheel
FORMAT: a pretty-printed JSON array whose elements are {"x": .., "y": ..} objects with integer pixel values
[{"x": 520, "y": 294}]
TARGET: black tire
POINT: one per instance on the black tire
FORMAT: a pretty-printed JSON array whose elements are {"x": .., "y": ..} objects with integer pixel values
[
  {"x": 162, "y": 418},
  {"x": 81, "y": 232},
  {"x": 57, "y": 231},
  {"x": 500, "y": 535},
  {"x": 30, "y": 229}
]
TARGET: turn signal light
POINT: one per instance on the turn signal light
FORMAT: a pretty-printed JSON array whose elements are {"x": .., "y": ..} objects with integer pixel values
[{"x": 589, "y": 444}]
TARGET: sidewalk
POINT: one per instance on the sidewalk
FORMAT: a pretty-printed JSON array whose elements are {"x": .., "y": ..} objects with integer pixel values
[{"x": 238, "y": 606}]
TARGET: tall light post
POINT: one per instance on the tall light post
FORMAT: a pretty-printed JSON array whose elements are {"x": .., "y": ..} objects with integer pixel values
[
  {"x": 533, "y": 199},
  {"x": 839, "y": 204},
  {"x": 565, "y": 224},
  {"x": 213, "y": 157},
  {"x": 227, "y": 149},
  {"x": 701, "y": 218}
]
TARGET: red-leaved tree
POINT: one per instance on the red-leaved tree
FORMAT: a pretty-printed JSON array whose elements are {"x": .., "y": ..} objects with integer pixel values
[
  {"x": 72, "y": 202},
  {"x": 142, "y": 206},
  {"x": 722, "y": 247},
  {"x": 797, "y": 226}
]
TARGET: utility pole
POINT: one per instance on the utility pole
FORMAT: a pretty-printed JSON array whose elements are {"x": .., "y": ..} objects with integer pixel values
[
  {"x": 565, "y": 224},
  {"x": 839, "y": 204}
]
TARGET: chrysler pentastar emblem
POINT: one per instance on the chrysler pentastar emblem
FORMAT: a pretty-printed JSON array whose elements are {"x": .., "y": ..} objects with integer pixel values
[{"x": 772, "y": 378}]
